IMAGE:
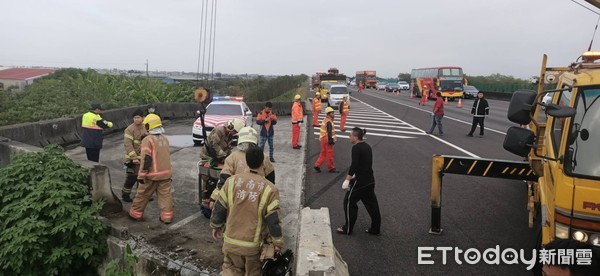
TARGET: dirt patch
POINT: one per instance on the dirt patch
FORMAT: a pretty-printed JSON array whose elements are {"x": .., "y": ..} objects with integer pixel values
[{"x": 203, "y": 252}]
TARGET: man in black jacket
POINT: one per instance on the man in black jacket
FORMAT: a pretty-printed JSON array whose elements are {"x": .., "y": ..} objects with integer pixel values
[
  {"x": 360, "y": 185},
  {"x": 480, "y": 110}
]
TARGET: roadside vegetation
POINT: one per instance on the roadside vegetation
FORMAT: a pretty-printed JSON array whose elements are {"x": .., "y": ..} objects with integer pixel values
[
  {"x": 48, "y": 222},
  {"x": 70, "y": 91}
]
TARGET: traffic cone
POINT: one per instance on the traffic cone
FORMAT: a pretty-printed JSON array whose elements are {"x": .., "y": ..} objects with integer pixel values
[
  {"x": 446, "y": 101},
  {"x": 459, "y": 105}
]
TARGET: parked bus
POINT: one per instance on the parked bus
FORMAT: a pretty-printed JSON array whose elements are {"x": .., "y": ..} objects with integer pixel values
[{"x": 448, "y": 80}]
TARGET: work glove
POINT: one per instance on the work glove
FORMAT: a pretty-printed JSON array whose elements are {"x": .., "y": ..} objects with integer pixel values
[{"x": 346, "y": 185}]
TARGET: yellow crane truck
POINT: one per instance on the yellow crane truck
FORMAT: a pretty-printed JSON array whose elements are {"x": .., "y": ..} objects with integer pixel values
[{"x": 560, "y": 140}]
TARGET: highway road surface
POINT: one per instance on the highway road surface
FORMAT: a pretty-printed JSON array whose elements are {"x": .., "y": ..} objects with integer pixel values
[{"x": 477, "y": 212}]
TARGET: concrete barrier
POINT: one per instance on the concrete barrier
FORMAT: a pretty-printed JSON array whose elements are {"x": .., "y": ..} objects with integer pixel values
[
  {"x": 316, "y": 254},
  {"x": 9, "y": 148}
]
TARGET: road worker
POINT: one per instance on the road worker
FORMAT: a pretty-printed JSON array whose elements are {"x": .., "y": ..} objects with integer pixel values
[
  {"x": 344, "y": 108},
  {"x": 235, "y": 163},
  {"x": 155, "y": 172},
  {"x": 316, "y": 109},
  {"x": 297, "y": 120},
  {"x": 132, "y": 141},
  {"x": 92, "y": 125},
  {"x": 327, "y": 139},
  {"x": 360, "y": 86},
  {"x": 248, "y": 208},
  {"x": 424, "y": 93},
  {"x": 218, "y": 144}
]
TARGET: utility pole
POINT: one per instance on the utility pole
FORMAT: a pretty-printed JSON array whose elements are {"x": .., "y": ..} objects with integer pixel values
[{"x": 147, "y": 75}]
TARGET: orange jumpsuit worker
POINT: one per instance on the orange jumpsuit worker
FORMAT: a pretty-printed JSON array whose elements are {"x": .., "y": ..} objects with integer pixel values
[
  {"x": 344, "y": 108},
  {"x": 317, "y": 107},
  {"x": 327, "y": 138},
  {"x": 297, "y": 119},
  {"x": 360, "y": 86},
  {"x": 155, "y": 172},
  {"x": 424, "y": 95}
]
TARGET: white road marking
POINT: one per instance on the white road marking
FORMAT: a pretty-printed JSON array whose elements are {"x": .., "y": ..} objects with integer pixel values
[
  {"x": 185, "y": 221},
  {"x": 375, "y": 134},
  {"x": 428, "y": 111},
  {"x": 432, "y": 136}
]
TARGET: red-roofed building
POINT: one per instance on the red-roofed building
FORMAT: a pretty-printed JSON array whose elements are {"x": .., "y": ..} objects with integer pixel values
[{"x": 21, "y": 77}]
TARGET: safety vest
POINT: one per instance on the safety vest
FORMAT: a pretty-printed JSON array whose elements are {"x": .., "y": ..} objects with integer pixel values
[
  {"x": 317, "y": 104},
  {"x": 89, "y": 120},
  {"x": 324, "y": 128},
  {"x": 346, "y": 107}
]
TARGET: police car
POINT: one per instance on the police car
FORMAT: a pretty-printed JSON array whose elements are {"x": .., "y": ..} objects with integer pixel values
[{"x": 219, "y": 112}]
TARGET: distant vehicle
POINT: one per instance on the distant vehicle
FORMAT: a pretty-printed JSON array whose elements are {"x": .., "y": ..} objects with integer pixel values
[
  {"x": 337, "y": 93},
  {"x": 221, "y": 110},
  {"x": 404, "y": 85},
  {"x": 353, "y": 83},
  {"x": 470, "y": 92},
  {"x": 381, "y": 85},
  {"x": 447, "y": 80},
  {"x": 368, "y": 78},
  {"x": 392, "y": 87}
]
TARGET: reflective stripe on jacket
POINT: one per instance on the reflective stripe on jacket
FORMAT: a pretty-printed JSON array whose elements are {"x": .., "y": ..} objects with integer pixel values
[
  {"x": 297, "y": 114},
  {"x": 91, "y": 135},
  {"x": 157, "y": 147},
  {"x": 132, "y": 140},
  {"x": 249, "y": 198},
  {"x": 317, "y": 104}
]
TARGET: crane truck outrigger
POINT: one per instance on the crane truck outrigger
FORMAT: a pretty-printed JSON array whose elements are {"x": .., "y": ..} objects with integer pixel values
[{"x": 560, "y": 141}]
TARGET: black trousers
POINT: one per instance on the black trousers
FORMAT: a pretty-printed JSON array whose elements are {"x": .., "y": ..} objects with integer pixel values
[
  {"x": 369, "y": 199},
  {"x": 476, "y": 121},
  {"x": 93, "y": 154}
]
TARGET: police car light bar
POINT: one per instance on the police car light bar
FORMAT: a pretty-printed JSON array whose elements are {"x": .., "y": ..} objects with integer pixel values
[{"x": 228, "y": 98}]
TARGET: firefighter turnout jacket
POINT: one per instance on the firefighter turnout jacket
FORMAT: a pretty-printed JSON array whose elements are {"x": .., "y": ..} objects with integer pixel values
[
  {"x": 236, "y": 164},
  {"x": 248, "y": 207},
  {"x": 133, "y": 141},
  {"x": 218, "y": 140},
  {"x": 156, "y": 158}
]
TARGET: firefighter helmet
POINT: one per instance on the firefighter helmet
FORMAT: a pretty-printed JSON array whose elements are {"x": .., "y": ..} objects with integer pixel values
[
  {"x": 236, "y": 124},
  {"x": 281, "y": 266},
  {"x": 248, "y": 135},
  {"x": 152, "y": 121},
  {"x": 329, "y": 109}
]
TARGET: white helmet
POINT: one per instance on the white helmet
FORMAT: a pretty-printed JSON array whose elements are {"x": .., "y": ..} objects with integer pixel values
[
  {"x": 248, "y": 135},
  {"x": 236, "y": 124}
]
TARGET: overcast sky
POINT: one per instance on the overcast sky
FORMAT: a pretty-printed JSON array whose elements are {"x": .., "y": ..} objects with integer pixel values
[{"x": 303, "y": 36}]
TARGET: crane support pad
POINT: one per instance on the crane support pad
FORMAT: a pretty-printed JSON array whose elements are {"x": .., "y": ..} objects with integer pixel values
[{"x": 517, "y": 170}]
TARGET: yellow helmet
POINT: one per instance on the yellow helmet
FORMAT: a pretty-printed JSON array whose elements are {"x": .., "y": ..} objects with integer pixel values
[
  {"x": 248, "y": 135},
  {"x": 329, "y": 109},
  {"x": 152, "y": 121},
  {"x": 297, "y": 97},
  {"x": 317, "y": 94},
  {"x": 236, "y": 124}
]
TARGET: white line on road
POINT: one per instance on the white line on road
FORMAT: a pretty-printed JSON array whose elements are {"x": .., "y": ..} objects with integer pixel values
[
  {"x": 352, "y": 119},
  {"x": 424, "y": 110},
  {"x": 185, "y": 221},
  {"x": 434, "y": 137},
  {"x": 349, "y": 128},
  {"x": 376, "y": 134}
]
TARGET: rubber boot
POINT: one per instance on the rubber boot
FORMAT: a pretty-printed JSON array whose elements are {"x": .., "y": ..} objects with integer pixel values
[{"x": 130, "y": 180}]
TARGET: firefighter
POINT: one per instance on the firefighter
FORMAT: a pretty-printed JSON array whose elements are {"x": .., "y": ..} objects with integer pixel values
[
  {"x": 297, "y": 120},
  {"x": 92, "y": 125},
  {"x": 155, "y": 172},
  {"x": 344, "y": 108},
  {"x": 327, "y": 138},
  {"x": 134, "y": 134},
  {"x": 317, "y": 107},
  {"x": 218, "y": 144},
  {"x": 248, "y": 208},
  {"x": 235, "y": 163}
]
